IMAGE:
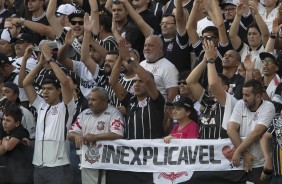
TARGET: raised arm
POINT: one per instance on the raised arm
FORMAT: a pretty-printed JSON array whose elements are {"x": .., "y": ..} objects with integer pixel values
[
  {"x": 219, "y": 22},
  {"x": 233, "y": 34},
  {"x": 62, "y": 53},
  {"x": 275, "y": 31},
  {"x": 192, "y": 23},
  {"x": 85, "y": 52},
  {"x": 180, "y": 18},
  {"x": 22, "y": 73},
  {"x": 261, "y": 24},
  {"x": 95, "y": 16},
  {"x": 67, "y": 91},
  {"x": 39, "y": 28},
  {"x": 142, "y": 25},
  {"x": 193, "y": 78},
  {"x": 52, "y": 19},
  {"x": 214, "y": 83},
  {"x": 28, "y": 81}
]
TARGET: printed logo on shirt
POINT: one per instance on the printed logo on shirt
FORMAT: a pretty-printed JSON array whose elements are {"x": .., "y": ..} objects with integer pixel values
[
  {"x": 54, "y": 110},
  {"x": 100, "y": 125},
  {"x": 170, "y": 47},
  {"x": 116, "y": 124}
]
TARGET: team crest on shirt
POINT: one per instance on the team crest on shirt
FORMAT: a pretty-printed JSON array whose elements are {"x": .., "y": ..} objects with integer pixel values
[
  {"x": 100, "y": 125},
  {"x": 92, "y": 154},
  {"x": 116, "y": 124},
  {"x": 54, "y": 110}
]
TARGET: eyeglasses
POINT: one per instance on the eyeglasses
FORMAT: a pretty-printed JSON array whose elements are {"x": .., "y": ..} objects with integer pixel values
[
  {"x": 76, "y": 22},
  {"x": 228, "y": 10},
  {"x": 137, "y": 80},
  {"x": 207, "y": 37},
  {"x": 166, "y": 23},
  {"x": 183, "y": 82},
  {"x": 268, "y": 62}
]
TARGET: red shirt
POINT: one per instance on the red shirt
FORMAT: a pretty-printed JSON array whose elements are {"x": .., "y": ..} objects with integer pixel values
[{"x": 190, "y": 131}]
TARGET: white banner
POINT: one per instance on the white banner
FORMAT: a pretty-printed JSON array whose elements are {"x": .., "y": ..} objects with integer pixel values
[{"x": 146, "y": 155}]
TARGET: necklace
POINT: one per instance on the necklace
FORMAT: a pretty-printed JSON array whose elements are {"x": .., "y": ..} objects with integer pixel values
[{"x": 35, "y": 19}]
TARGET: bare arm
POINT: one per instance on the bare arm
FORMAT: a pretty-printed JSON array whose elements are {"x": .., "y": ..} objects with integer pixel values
[
  {"x": 85, "y": 52},
  {"x": 38, "y": 28},
  {"x": 233, "y": 34},
  {"x": 95, "y": 16},
  {"x": 265, "y": 142},
  {"x": 52, "y": 19},
  {"x": 180, "y": 18},
  {"x": 67, "y": 91},
  {"x": 22, "y": 73},
  {"x": 99, "y": 137},
  {"x": 142, "y": 25},
  {"x": 192, "y": 23},
  {"x": 77, "y": 138},
  {"x": 214, "y": 83},
  {"x": 10, "y": 144},
  {"x": 62, "y": 53},
  {"x": 275, "y": 30}
]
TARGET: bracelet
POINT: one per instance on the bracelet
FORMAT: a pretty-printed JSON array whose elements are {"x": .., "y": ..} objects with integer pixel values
[{"x": 210, "y": 60}]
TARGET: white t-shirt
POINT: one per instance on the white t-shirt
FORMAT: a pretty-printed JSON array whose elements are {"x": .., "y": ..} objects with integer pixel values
[
  {"x": 51, "y": 130},
  {"x": 28, "y": 122},
  {"x": 248, "y": 120},
  {"x": 30, "y": 64},
  {"x": 87, "y": 80},
  {"x": 165, "y": 74},
  {"x": 268, "y": 19}
]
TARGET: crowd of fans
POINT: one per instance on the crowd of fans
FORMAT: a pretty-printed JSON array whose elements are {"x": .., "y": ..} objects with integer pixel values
[{"x": 74, "y": 72}]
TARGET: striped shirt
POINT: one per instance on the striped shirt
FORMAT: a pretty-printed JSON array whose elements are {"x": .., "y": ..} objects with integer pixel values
[{"x": 277, "y": 151}]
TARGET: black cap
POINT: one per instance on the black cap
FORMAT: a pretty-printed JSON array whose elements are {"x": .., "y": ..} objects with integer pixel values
[
  {"x": 77, "y": 13},
  {"x": 12, "y": 86},
  {"x": 271, "y": 55},
  {"x": 4, "y": 59},
  {"x": 25, "y": 37},
  {"x": 183, "y": 101}
]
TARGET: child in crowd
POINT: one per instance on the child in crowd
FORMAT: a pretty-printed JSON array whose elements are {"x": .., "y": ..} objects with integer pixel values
[
  {"x": 16, "y": 152},
  {"x": 187, "y": 117}
]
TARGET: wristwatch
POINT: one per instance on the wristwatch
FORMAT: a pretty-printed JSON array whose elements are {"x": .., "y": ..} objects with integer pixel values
[
  {"x": 130, "y": 60},
  {"x": 210, "y": 60},
  {"x": 51, "y": 60},
  {"x": 273, "y": 35}
]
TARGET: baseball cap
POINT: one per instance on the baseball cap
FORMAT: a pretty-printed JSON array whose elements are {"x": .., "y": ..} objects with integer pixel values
[
  {"x": 272, "y": 55},
  {"x": 66, "y": 9},
  {"x": 183, "y": 101},
  {"x": 77, "y": 13},
  {"x": 5, "y": 34},
  {"x": 229, "y": 2},
  {"x": 12, "y": 86},
  {"x": 24, "y": 37},
  {"x": 53, "y": 45},
  {"x": 4, "y": 59}
]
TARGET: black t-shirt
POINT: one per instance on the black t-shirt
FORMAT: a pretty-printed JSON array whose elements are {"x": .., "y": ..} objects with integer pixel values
[
  {"x": 144, "y": 118},
  {"x": 171, "y": 6},
  {"x": 3, "y": 15},
  {"x": 36, "y": 36},
  {"x": 151, "y": 20},
  {"x": 236, "y": 85},
  {"x": 177, "y": 51}
]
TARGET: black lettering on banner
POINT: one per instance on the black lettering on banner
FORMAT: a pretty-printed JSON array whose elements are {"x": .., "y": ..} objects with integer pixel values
[
  {"x": 212, "y": 159},
  {"x": 166, "y": 156},
  {"x": 193, "y": 157},
  {"x": 155, "y": 159},
  {"x": 136, "y": 157},
  {"x": 183, "y": 155},
  {"x": 124, "y": 154},
  {"x": 170, "y": 153},
  {"x": 112, "y": 154},
  {"x": 202, "y": 154},
  {"x": 105, "y": 148},
  {"x": 148, "y": 154}
]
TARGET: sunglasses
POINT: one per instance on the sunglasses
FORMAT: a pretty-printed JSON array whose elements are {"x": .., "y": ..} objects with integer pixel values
[
  {"x": 76, "y": 22},
  {"x": 182, "y": 83}
]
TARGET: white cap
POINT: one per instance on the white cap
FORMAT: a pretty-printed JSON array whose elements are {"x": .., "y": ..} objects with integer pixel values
[
  {"x": 229, "y": 2},
  {"x": 66, "y": 9}
]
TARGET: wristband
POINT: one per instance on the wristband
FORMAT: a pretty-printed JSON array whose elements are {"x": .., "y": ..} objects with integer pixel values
[
  {"x": 210, "y": 60},
  {"x": 273, "y": 35}
]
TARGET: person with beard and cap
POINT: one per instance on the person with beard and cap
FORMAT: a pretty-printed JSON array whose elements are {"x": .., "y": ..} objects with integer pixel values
[
  {"x": 36, "y": 23},
  {"x": 11, "y": 92},
  {"x": 53, "y": 122},
  {"x": 270, "y": 67},
  {"x": 144, "y": 117},
  {"x": 6, "y": 46},
  {"x": 21, "y": 43}
]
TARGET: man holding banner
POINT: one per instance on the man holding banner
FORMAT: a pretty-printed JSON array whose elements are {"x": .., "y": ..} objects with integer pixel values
[
  {"x": 250, "y": 118},
  {"x": 99, "y": 122}
]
